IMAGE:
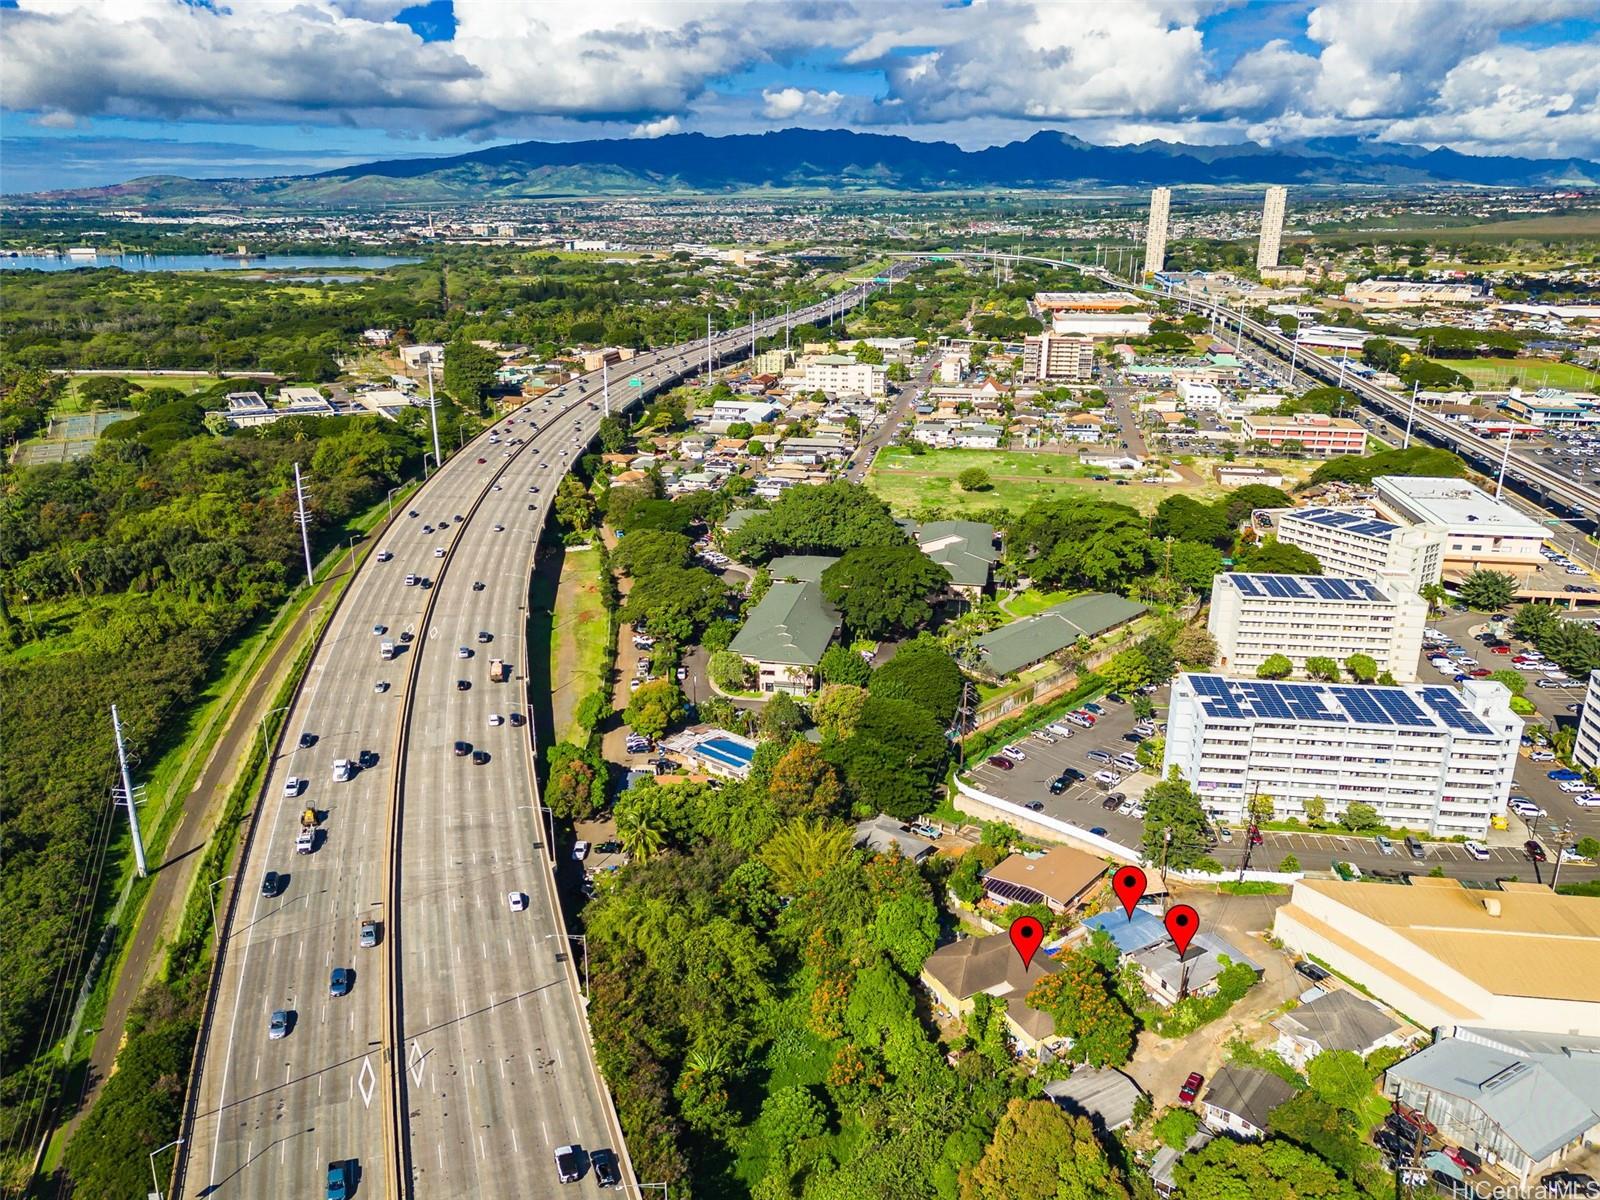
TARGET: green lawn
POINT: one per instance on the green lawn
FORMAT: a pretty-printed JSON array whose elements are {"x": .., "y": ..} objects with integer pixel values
[
  {"x": 1018, "y": 478},
  {"x": 578, "y": 651},
  {"x": 1528, "y": 372},
  {"x": 1035, "y": 601}
]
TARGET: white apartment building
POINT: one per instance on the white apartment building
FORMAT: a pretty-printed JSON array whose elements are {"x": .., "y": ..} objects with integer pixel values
[
  {"x": 1356, "y": 545},
  {"x": 1480, "y": 530},
  {"x": 1050, "y": 356},
  {"x": 1254, "y": 617},
  {"x": 844, "y": 376},
  {"x": 1586, "y": 749},
  {"x": 1195, "y": 396},
  {"x": 1155, "y": 237},
  {"x": 1271, "y": 228},
  {"x": 1425, "y": 756}
]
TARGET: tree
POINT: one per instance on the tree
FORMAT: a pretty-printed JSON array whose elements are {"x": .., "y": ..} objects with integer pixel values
[
  {"x": 840, "y": 664},
  {"x": 1588, "y": 847},
  {"x": 577, "y": 782},
  {"x": 1273, "y": 557},
  {"x": 1188, "y": 520},
  {"x": 1038, "y": 1152},
  {"x": 1175, "y": 1127},
  {"x": 1226, "y": 1169},
  {"x": 1126, "y": 670},
  {"x": 803, "y": 852},
  {"x": 1316, "y": 810},
  {"x": 837, "y": 709},
  {"x": 1194, "y": 646},
  {"x": 974, "y": 479},
  {"x": 1363, "y": 668},
  {"x": 655, "y": 708},
  {"x": 641, "y": 824},
  {"x": 1510, "y": 679},
  {"x": 469, "y": 373},
  {"x": 1532, "y": 622},
  {"x": 613, "y": 435},
  {"x": 728, "y": 671},
  {"x": 923, "y": 673},
  {"x": 1194, "y": 565},
  {"x": 574, "y": 506},
  {"x": 1340, "y": 1078},
  {"x": 781, "y": 718},
  {"x": 1171, "y": 806},
  {"x": 1359, "y": 816},
  {"x": 828, "y": 519},
  {"x": 1276, "y": 666},
  {"x": 1081, "y": 998},
  {"x": 1241, "y": 502},
  {"x": 675, "y": 601},
  {"x": 803, "y": 783},
  {"x": 790, "y": 1116},
  {"x": 897, "y": 752},
  {"x": 1487, "y": 591},
  {"x": 1321, "y": 667},
  {"x": 649, "y": 550},
  {"x": 881, "y": 591}
]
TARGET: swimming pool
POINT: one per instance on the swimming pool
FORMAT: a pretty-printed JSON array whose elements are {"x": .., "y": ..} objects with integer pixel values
[{"x": 727, "y": 752}]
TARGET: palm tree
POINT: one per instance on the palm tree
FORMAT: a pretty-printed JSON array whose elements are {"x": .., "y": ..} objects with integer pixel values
[
  {"x": 641, "y": 830},
  {"x": 804, "y": 851}
]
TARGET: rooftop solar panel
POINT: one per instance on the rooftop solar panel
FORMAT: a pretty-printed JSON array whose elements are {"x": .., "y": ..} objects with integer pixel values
[
  {"x": 1014, "y": 892},
  {"x": 1447, "y": 705},
  {"x": 1389, "y": 707}
]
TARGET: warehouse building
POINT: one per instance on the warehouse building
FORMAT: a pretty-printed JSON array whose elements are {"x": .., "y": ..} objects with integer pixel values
[
  {"x": 1356, "y": 545},
  {"x": 1424, "y": 756},
  {"x": 1254, "y": 617}
]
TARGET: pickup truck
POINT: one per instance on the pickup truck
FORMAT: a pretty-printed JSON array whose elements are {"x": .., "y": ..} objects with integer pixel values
[
  {"x": 306, "y": 842},
  {"x": 497, "y": 670},
  {"x": 341, "y": 770}
]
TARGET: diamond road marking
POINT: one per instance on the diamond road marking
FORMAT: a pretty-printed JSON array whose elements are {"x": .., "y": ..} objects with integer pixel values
[
  {"x": 416, "y": 1062},
  {"x": 367, "y": 1081}
]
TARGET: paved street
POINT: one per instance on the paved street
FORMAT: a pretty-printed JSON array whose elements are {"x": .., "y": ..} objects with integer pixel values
[{"x": 888, "y": 427}]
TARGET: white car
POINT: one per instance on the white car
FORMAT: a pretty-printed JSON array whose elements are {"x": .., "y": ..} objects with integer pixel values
[
  {"x": 580, "y": 850},
  {"x": 1589, "y": 800},
  {"x": 1478, "y": 852},
  {"x": 496, "y": 719},
  {"x": 1542, "y": 756},
  {"x": 1059, "y": 729},
  {"x": 463, "y": 652},
  {"x": 1574, "y": 787},
  {"x": 1014, "y": 753},
  {"x": 381, "y": 686},
  {"x": 384, "y": 556},
  {"x": 517, "y": 901},
  {"x": 1049, "y": 739},
  {"x": 1569, "y": 854},
  {"x": 438, "y": 551},
  {"x": 293, "y": 785},
  {"x": 1109, "y": 778},
  {"x": 499, "y": 528}
]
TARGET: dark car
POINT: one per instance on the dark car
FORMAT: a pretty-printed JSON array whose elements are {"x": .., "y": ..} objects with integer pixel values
[
  {"x": 1534, "y": 849},
  {"x": 307, "y": 740},
  {"x": 463, "y": 749},
  {"x": 1311, "y": 971},
  {"x": 1191, "y": 1087},
  {"x": 1098, "y": 831},
  {"x": 1059, "y": 784},
  {"x": 1000, "y": 761},
  {"x": 1115, "y": 698},
  {"x": 1034, "y": 805},
  {"x": 1567, "y": 1183},
  {"x": 1073, "y": 774},
  {"x": 481, "y": 461},
  {"x": 367, "y": 759},
  {"x": 1111, "y": 804},
  {"x": 479, "y": 757},
  {"x": 606, "y": 1172},
  {"x": 1133, "y": 738},
  {"x": 339, "y": 982},
  {"x": 271, "y": 884},
  {"x": 569, "y": 1164},
  {"x": 463, "y": 684},
  {"x": 1391, "y": 1143},
  {"x": 477, "y": 585}
]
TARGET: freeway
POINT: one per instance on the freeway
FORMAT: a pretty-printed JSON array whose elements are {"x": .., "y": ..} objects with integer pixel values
[{"x": 459, "y": 1057}]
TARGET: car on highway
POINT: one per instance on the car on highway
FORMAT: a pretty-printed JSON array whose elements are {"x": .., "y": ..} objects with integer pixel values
[
  {"x": 463, "y": 651},
  {"x": 606, "y": 1172},
  {"x": 369, "y": 934},
  {"x": 411, "y": 579},
  {"x": 278, "y": 1026},
  {"x": 339, "y": 982},
  {"x": 1534, "y": 850},
  {"x": 463, "y": 685},
  {"x": 293, "y": 785},
  {"x": 412, "y": 513},
  {"x": 381, "y": 685},
  {"x": 379, "y": 630},
  {"x": 499, "y": 528},
  {"x": 307, "y": 740},
  {"x": 338, "y": 1180},
  {"x": 481, "y": 461},
  {"x": 569, "y": 1164},
  {"x": 479, "y": 757},
  {"x": 384, "y": 555},
  {"x": 517, "y": 901},
  {"x": 341, "y": 770},
  {"x": 1001, "y": 761},
  {"x": 1191, "y": 1087},
  {"x": 271, "y": 884},
  {"x": 438, "y": 551}
]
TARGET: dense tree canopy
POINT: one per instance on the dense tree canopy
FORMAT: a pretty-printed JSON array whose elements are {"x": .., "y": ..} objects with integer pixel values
[
  {"x": 1041, "y": 1153},
  {"x": 884, "y": 590},
  {"x": 922, "y": 672}
]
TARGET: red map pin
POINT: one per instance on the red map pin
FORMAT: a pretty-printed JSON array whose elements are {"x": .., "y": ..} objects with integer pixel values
[
  {"x": 1182, "y": 924},
  {"x": 1026, "y": 935},
  {"x": 1129, "y": 884}
]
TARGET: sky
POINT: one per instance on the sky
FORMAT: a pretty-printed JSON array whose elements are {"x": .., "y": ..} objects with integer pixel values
[{"x": 99, "y": 91}]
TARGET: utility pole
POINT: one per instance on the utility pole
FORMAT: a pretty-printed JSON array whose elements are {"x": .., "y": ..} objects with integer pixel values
[
  {"x": 128, "y": 796},
  {"x": 1563, "y": 839},
  {"x": 787, "y": 321},
  {"x": 304, "y": 522},
  {"x": 708, "y": 349},
  {"x": 605, "y": 383},
  {"x": 1505, "y": 459},
  {"x": 752, "y": 335},
  {"x": 1411, "y": 414},
  {"x": 433, "y": 416}
]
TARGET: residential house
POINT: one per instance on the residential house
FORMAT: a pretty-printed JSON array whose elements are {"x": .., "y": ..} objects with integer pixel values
[
  {"x": 1162, "y": 1167},
  {"x": 785, "y": 636},
  {"x": 1168, "y": 978},
  {"x": 1240, "y": 1101},
  {"x": 1336, "y": 1020},
  {"x": 963, "y": 548},
  {"x": 1104, "y": 1095},
  {"x": 956, "y": 973},
  {"x": 1060, "y": 877},
  {"x": 884, "y": 834},
  {"x": 1524, "y": 1101},
  {"x": 800, "y": 568}
]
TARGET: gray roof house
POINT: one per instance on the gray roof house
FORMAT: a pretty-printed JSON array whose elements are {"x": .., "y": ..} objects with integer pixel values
[
  {"x": 1102, "y": 1094},
  {"x": 1165, "y": 975},
  {"x": 1530, "y": 1099},
  {"x": 803, "y": 568},
  {"x": 785, "y": 636},
  {"x": 964, "y": 548},
  {"x": 1336, "y": 1020},
  {"x": 1023, "y": 643},
  {"x": 883, "y": 832},
  {"x": 1241, "y": 1099}
]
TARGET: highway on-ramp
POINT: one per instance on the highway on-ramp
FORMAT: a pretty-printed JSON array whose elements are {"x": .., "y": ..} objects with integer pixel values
[{"x": 459, "y": 1057}]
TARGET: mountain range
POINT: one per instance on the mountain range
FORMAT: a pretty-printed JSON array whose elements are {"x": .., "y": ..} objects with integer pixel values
[{"x": 808, "y": 160}]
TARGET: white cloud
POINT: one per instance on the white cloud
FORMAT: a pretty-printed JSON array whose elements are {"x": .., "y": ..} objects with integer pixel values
[
  {"x": 655, "y": 129},
  {"x": 783, "y": 104}
]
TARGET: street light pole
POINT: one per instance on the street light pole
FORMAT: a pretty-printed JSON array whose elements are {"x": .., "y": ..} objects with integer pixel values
[
  {"x": 211, "y": 895},
  {"x": 1505, "y": 460},
  {"x": 1411, "y": 414},
  {"x": 153, "y": 1180},
  {"x": 433, "y": 417},
  {"x": 390, "y": 514}
]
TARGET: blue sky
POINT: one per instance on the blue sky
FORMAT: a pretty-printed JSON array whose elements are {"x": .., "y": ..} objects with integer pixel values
[{"x": 96, "y": 92}]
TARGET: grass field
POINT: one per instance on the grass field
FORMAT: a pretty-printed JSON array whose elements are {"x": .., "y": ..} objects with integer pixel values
[
  {"x": 1034, "y": 601},
  {"x": 578, "y": 649},
  {"x": 1527, "y": 372}
]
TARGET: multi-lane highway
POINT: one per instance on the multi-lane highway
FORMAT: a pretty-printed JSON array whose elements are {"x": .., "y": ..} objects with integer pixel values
[{"x": 458, "y": 1058}]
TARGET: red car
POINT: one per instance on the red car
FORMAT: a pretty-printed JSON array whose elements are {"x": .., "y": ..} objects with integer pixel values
[
  {"x": 1479, "y": 672},
  {"x": 1001, "y": 761},
  {"x": 1415, "y": 1119},
  {"x": 1087, "y": 716},
  {"x": 1464, "y": 1159},
  {"x": 1500, "y": 649},
  {"x": 482, "y": 460},
  {"x": 1190, "y": 1088}
]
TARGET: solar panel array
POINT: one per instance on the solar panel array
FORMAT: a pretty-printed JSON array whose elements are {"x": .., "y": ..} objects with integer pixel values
[
  {"x": 1306, "y": 587},
  {"x": 1350, "y": 522},
  {"x": 1014, "y": 892},
  {"x": 1338, "y": 704}
]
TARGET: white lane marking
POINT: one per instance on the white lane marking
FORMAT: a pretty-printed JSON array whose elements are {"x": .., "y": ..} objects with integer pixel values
[{"x": 367, "y": 1081}]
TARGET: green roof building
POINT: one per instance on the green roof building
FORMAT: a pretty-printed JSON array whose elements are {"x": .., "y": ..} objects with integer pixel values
[
  {"x": 963, "y": 548},
  {"x": 802, "y": 568},
  {"x": 1021, "y": 644},
  {"x": 786, "y": 635}
]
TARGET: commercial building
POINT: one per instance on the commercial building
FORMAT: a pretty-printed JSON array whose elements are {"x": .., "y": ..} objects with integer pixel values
[
  {"x": 1155, "y": 237},
  {"x": 1271, "y": 228},
  {"x": 1101, "y": 324},
  {"x": 1423, "y": 756},
  {"x": 1359, "y": 546},
  {"x": 1400, "y": 293},
  {"x": 842, "y": 375},
  {"x": 1058, "y": 302},
  {"x": 785, "y": 636},
  {"x": 248, "y": 409},
  {"x": 1195, "y": 396},
  {"x": 1325, "y": 437},
  {"x": 956, "y": 973},
  {"x": 1586, "y": 749},
  {"x": 1480, "y": 531},
  {"x": 1061, "y": 877},
  {"x": 1050, "y": 356},
  {"x": 1021, "y": 644},
  {"x": 1553, "y": 408},
  {"x": 1254, "y": 617},
  {"x": 1525, "y": 1102},
  {"x": 1444, "y": 954}
]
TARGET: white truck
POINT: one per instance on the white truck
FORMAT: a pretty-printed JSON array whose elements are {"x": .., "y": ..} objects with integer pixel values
[{"x": 306, "y": 842}]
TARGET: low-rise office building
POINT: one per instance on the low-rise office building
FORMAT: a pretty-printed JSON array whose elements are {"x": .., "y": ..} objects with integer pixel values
[
  {"x": 1424, "y": 757},
  {"x": 1195, "y": 396},
  {"x": 1443, "y": 954},
  {"x": 1254, "y": 617},
  {"x": 1325, "y": 437},
  {"x": 842, "y": 375},
  {"x": 1586, "y": 749},
  {"x": 1480, "y": 531},
  {"x": 1357, "y": 545}
]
